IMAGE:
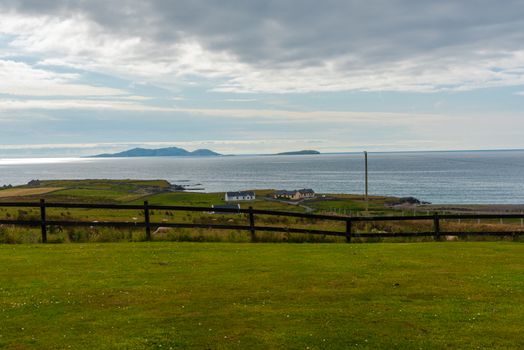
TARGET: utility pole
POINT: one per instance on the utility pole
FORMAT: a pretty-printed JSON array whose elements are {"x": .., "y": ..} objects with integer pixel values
[{"x": 366, "y": 167}]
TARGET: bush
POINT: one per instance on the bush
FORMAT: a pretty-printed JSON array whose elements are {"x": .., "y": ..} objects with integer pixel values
[{"x": 17, "y": 235}]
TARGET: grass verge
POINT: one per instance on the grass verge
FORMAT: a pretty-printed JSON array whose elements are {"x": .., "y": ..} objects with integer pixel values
[{"x": 164, "y": 295}]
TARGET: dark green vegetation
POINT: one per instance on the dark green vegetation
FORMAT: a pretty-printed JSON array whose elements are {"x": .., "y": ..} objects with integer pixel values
[
  {"x": 259, "y": 296},
  {"x": 160, "y": 152}
]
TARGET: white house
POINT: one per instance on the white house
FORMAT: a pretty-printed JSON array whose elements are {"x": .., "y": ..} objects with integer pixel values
[{"x": 240, "y": 196}]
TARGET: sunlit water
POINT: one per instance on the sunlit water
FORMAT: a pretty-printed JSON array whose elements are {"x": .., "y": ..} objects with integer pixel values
[{"x": 438, "y": 177}]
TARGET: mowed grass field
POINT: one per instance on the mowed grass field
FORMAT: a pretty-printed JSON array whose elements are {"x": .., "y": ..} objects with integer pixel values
[{"x": 167, "y": 295}]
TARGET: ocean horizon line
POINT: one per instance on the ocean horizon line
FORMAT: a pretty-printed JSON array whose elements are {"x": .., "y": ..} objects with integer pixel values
[{"x": 65, "y": 158}]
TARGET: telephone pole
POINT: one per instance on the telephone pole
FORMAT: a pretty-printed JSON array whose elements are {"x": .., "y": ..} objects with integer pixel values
[{"x": 366, "y": 175}]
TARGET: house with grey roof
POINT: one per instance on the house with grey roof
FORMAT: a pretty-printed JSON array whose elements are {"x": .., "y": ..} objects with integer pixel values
[
  {"x": 295, "y": 195},
  {"x": 240, "y": 196}
]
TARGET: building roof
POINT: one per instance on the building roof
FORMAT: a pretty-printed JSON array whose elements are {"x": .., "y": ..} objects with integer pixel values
[
  {"x": 284, "y": 193},
  {"x": 240, "y": 194},
  {"x": 226, "y": 206},
  {"x": 281, "y": 192},
  {"x": 291, "y": 193},
  {"x": 219, "y": 207}
]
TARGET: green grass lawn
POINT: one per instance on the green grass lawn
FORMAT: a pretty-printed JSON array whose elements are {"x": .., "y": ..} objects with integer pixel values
[{"x": 259, "y": 296}]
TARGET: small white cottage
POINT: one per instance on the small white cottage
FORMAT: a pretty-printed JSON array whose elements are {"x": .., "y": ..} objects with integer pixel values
[{"x": 240, "y": 196}]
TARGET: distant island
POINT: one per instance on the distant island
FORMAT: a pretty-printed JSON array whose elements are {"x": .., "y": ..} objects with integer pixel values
[
  {"x": 298, "y": 153},
  {"x": 180, "y": 152},
  {"x": 159, "y": 152}
]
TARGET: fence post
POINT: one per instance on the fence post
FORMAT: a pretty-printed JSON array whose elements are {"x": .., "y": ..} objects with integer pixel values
[
  {"x": 436, "y": 226},
  {"x": 43, "y": 223},
  {"x": 147, "y": 221},
  {"x": 349, "y": 225},
  {"x": 252, "y": 225}
]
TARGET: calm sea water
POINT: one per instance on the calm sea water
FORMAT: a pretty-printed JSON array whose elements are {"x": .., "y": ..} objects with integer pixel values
[{"x": 438, "y": 177}]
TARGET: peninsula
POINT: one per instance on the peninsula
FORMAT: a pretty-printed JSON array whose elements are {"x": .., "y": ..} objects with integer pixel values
[{"x": 298, "y": 153}]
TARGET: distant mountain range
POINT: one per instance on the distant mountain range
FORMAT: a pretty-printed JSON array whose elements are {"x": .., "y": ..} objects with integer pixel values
[
  {"x": 298, "y": 153},
  {"x": 160, "y": 152}
]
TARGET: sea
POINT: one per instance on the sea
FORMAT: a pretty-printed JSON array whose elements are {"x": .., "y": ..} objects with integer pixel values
[{"x": 457, "y": 177}]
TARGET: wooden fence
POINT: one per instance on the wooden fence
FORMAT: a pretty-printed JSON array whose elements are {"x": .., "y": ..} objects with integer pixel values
[{"x": 348, "y": 233}]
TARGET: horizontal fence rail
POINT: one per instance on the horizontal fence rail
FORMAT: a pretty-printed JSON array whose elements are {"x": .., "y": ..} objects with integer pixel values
[{"x": 251, "y": 213}]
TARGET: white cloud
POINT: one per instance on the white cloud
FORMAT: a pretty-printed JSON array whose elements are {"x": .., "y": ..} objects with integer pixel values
[
  {"x": 80, "y": 43},
  {"x": 84, "y": 104},
  {"x": 19, "y": 78},
  {"x": 320, "y": 116},
  {"x": 273, "y": 116},
  {"x": 423, "y": 73}
]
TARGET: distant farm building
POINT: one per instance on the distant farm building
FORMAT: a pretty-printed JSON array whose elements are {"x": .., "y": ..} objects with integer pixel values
[
  {"x": 295, "y": 195},
  {"x": 307, "y": 193},
  {"x": 240, "y": 196},
  {"x": 218, "y": 209},
  {"x": 34, "y": 183}
]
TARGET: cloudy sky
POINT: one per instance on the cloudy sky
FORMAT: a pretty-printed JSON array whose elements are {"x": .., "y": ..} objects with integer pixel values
[{"x": 82, "y": 77}]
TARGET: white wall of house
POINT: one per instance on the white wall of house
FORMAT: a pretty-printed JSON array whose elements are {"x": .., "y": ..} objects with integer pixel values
[{"x": 239, "y": 198}]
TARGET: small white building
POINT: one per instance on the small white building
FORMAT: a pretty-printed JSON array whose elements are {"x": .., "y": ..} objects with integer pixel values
[{"x": 240, "y": 196}]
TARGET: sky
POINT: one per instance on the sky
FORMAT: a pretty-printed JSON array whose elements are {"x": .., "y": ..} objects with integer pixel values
[{"x": 86, "y": 77}]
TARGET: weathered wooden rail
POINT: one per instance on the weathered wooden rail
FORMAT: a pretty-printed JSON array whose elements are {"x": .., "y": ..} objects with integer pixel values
[{"x": 348, "y": 233}]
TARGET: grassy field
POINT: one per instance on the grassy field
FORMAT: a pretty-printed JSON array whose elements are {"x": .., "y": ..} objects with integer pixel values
[
  {"x": 259, "y": 296},
  {"x": 168, "y": 295},
  {"x": 156, "y": 192},
  {"x": 23, "y": 192},
  {"x": 86, "y": 191},
  {"x": 160, "y": 192}
]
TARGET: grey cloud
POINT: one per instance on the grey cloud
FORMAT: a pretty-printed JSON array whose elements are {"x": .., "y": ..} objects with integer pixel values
[{"x": 278, "y": 34}]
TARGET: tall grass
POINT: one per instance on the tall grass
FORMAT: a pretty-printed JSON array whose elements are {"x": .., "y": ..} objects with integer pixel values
[
  {"x": 11, "y": 235},
  {"x": 17, "y": 235}
]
